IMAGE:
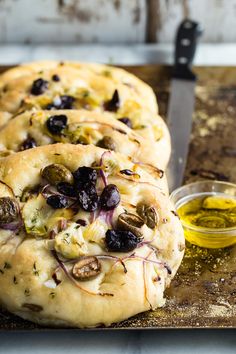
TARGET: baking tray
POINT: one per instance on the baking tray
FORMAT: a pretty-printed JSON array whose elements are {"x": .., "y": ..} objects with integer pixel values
[{"x": 203, "y": 293}]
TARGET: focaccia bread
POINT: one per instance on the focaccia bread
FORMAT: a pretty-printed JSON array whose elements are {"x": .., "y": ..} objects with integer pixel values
[
  {"x": 86, "y": 237},
  {"x": 36, "y": 128},
  {"x": 75, "y": 87},
  {"x": 99, "y": 72}
]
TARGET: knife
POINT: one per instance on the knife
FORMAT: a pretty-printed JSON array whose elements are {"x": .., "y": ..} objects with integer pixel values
[{"x": 181, "y": 102}]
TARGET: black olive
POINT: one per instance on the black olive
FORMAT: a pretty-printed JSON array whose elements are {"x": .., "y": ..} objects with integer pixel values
[
  {"x": 88, "y": 198},
  {"x": 50, "y": 106},
  {"x": 121, "y": 241},
  {"x": 127, "y": 172},
  {"x": 126, "y": 121},
  {"x": 56, "y": 124},
  {"x": 39, "y": 86},
  {"x": 81, "y": 222},
  {"x": 85, "y": 175},
  {"x": 64, "y": 102},
  {"x": 114, "y": 103},
  {"x": 55, "y": 78},
  {"x": 57, "y": 201},
  {"x": 28, "y": 143},
  {"x": 110, "y": 197},
  {"x": 66, "y": 189}
]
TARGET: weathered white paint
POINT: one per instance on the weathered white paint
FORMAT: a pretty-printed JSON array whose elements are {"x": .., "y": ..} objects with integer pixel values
[
  {"x": 72, "y": 21},
  {"x": 111, "y": 21},
  {"x": 217, "y": 17}
]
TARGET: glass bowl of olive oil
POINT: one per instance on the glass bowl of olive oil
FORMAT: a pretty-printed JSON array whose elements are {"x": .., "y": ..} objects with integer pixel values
[{"x": 207, "y": 210}]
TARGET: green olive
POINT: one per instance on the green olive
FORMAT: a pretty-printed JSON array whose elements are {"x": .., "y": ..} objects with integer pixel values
[
  {"x": 86, "y": 268},
  {"x": 148, "y": 214},
  {"x": 83, "y": 140},
  {"x": 130, "y": 222},
  {"x": 57, "y": 173},
  {"x": 9, "y": 210},
  {"x": 107, "y": 143}
]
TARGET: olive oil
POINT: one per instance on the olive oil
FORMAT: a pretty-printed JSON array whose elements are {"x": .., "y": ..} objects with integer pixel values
[{"x": 209, "y": 220}]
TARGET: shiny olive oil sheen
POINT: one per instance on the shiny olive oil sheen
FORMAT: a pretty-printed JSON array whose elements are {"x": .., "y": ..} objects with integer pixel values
[{"x": 209, "y": 220}]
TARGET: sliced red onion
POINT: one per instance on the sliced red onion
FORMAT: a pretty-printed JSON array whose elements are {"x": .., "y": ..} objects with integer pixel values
[
  {"x": 110, "y": 214},
  {"x": 8, "y": 187},
  {"x": 114, "y": 258},
  {"x": 12, "y": 226},
  {"x": 92, "y": 216},
  {"x": 145, "y": 285},
  {"x": 145, "y": 259},
  {"x": 62, "y": 224},
  {"x": 99, "y": 256},
  {"x": 104, "y": 177},
  {"x": 145, "y": 243},
  {"x": 155, "y": 169},
  {"x": 141, "y": 182},
  {"x": 102, "y": 173},
  {"x": 49, "y": 190},
  {"x": 104, "y": 124}
]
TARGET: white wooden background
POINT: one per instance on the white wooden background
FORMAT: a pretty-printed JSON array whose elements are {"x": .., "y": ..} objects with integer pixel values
[{"x": 112, "y": 21}]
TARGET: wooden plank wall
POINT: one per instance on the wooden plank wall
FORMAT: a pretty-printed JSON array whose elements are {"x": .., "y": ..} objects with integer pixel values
[{"x": 112, "y": 21}]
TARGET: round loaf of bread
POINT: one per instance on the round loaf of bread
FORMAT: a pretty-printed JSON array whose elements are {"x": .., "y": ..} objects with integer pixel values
[
  {"x": 36, "y": 128},
  {"x": 86, "y": 237},
  {"x": 92, "y": 87},
  {"x": 99, "y": 72}
]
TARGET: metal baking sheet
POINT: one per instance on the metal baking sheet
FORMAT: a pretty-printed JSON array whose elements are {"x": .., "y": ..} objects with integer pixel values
[{"x": 203, "y": 293}]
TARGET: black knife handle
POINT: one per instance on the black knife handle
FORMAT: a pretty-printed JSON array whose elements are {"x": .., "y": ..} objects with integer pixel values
[{"x": 185, "y": 47}]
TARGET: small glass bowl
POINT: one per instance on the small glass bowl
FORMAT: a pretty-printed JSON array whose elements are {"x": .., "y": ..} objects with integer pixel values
[{"x": 200, "y": 236}]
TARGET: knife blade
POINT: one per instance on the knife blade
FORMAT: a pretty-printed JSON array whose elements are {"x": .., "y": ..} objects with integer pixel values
[{"x": 181, "y": 102}]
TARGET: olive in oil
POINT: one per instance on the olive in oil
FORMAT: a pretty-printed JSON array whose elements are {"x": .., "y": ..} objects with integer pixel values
[{"x": 209, "y": 220}]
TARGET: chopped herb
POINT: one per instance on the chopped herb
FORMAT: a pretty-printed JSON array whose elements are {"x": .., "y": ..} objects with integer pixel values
[
  {"x": 1, "y": 271},
  {"x": 141, "y": 126},
  {"x": 52, "y": 295},
  {"x": 27, "y": 292},
  {"x": 36, "y": 272},
  {"x": 107, "y": 73},
  {"x": 15, "y": 280},
  {"x": 7, "y": 265},
  {"x": 86, "y": 94}
]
